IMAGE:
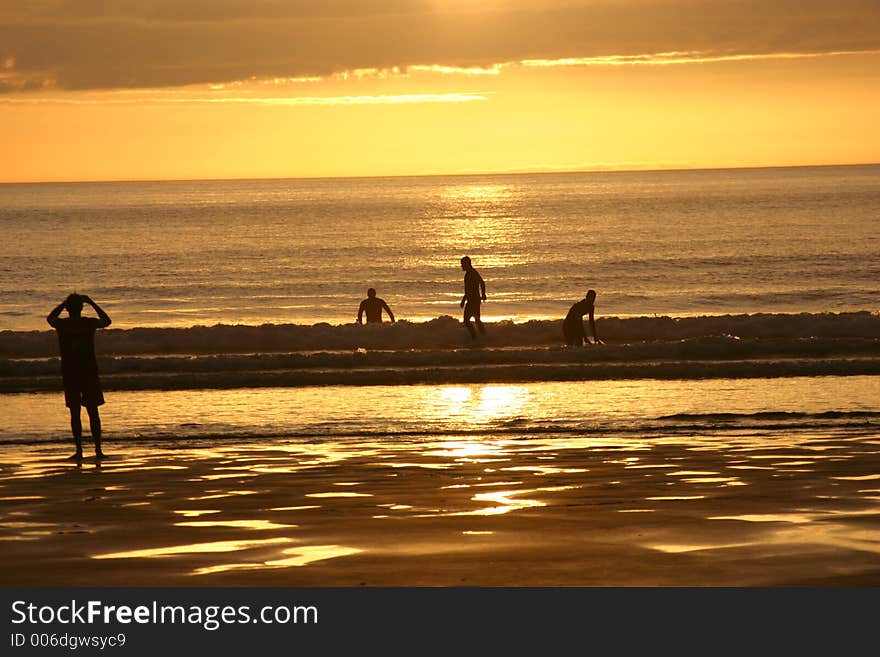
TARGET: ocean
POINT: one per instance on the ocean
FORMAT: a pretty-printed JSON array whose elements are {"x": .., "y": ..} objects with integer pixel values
[
  {"x": 231, "y": 293},
  {"x": 791, "y": 410},
  {"x": 677, "y": 243}
]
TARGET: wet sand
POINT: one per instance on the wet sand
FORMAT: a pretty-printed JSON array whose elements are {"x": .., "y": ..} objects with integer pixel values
[{"x": 550, "y": 510}]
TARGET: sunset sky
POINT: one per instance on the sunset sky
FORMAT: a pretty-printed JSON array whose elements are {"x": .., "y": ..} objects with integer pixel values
[{"x": 176, "y": 89}]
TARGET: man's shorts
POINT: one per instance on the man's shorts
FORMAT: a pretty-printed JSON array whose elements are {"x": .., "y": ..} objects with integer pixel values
[{"x": 82, "y": 389}]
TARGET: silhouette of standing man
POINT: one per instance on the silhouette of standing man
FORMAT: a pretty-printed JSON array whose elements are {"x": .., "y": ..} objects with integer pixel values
[
  {"x": 373, "y": 307},
  {"x": 573, "y": 324},
  {"x": 79, "y": 367},
  {"x": 474, "y": 295}
]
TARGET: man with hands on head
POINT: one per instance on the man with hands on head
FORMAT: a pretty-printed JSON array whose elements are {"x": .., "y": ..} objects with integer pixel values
[{"x": 79, "y": 366}]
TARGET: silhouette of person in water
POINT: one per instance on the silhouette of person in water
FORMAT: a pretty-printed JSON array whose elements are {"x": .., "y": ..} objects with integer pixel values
[
  {"x": 474, "y": 295},
  {"x": 79, "y": 367},
  {"x": 373, "y": 307},
  {"x": 573, "y": 325}
]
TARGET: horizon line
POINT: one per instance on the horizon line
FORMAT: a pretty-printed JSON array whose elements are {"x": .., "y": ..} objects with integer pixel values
[{"x": 468, "y": 174}]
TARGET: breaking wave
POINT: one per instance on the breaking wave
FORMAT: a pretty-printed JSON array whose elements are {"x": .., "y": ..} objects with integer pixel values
[
  {"x": 439, "y": 351},
  {"x": 443, "y": 333}
]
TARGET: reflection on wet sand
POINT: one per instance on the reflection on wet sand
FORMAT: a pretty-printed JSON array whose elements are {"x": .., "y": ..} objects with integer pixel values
[
  {"x": 380, "y": 509},
  {"x": 694, "y": 547},
  {"x": 258, "y": 525},
  {"x": 768, "y": 517},
  {"x": 667, "y": 498},
  {"x": 301, "y": 556},
  {"x": 510, "y": 500},
  {"x": 171, "y": 550},
  {"x": 25, "y": 531},
  {"x": 338, "y": 494}
]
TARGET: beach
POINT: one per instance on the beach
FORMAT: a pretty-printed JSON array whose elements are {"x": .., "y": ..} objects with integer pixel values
[
  {"x": 459, "y": 514},
  {"x": 726, "y": 432},
  {"x": 476, "y": 497}
]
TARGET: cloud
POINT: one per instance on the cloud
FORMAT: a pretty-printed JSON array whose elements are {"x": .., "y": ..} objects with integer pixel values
[
  {"x": 495, "y": 69},
  {"x": 281, "y": 101},
  {"x": 104, "y": 44},
  {"x": 669, "y": 58}
]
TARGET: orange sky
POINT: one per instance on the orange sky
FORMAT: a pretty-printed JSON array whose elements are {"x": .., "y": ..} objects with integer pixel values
[{"x": 228, "y": 89}]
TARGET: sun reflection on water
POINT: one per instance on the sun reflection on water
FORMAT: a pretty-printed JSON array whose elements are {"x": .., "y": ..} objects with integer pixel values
[
  {"x": 479, "y": 193},
  {"x": 475, "y": 404}
]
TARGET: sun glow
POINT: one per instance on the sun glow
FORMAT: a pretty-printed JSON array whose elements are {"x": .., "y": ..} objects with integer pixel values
[{"x": 477, "y": 404}]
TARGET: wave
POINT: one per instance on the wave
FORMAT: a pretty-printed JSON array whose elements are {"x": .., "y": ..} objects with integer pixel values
[
  {"x": 446, "y": 333},
  {"x": 720, "y": 347},
  {"x": 473, "y": 372},
  {"x": 439, "y": 351},
  {"x": 771, "y": 415},
  {"x": 684, "y": 425}
]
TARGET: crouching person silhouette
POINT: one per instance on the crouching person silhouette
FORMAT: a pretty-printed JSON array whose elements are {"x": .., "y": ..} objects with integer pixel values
[
  {"x": 573, "y": 324},
  {"x": 79, "y": 367}
]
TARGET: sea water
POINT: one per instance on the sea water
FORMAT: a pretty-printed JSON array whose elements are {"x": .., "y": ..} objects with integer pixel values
[
  {"x": 769, "y": 411},
  {"x": 677, "y": 243},
  {"x": 227, "y": 284}
]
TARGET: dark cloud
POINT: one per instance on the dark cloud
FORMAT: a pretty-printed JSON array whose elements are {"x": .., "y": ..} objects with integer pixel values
[
  {"x": 97, "y": 44},
  {"x": 201, "y": 11}
]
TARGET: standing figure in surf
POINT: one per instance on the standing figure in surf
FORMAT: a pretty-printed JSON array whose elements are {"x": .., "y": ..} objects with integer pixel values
[
  {"x": 373, "y": 306},
  {"x": 474, "y": 295},
  {"x": 573, "y": 324},
  {"x": 79, "y": 366}
]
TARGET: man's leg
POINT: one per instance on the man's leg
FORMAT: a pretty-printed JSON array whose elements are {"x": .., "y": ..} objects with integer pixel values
[
  {"x": 467, "y": 322},
  {"x": 76, "y": 428},
  {"x": 573, "y": 335},
  {"x": 478, "y": 321},
  {"x": 95, "y": 426}
]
